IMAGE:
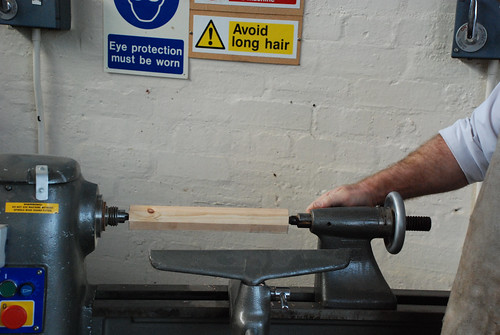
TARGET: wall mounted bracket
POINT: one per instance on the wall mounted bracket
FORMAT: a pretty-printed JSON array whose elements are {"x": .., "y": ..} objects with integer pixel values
[
  {"x": 477, "y": 30},
  {"x": 52, "y": 14}
]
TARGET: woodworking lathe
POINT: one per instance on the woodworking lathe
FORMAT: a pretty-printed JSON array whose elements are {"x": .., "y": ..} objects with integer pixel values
[{"x": 50, "y": 218}]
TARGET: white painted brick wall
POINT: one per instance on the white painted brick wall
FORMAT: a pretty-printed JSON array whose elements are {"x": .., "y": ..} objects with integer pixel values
[{"x": 376, "y": 79}]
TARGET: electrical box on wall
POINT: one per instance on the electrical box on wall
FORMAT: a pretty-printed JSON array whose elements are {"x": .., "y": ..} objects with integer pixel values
[
  {"x": 52, "y": 14},
  {"x": 477, "y": 29}
]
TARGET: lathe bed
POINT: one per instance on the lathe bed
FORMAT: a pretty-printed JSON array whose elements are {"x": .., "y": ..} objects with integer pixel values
[{"x": 183, "y": 309}]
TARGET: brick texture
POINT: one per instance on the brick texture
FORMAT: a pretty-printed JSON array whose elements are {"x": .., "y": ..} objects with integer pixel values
[{"x": 376, "y": 79}]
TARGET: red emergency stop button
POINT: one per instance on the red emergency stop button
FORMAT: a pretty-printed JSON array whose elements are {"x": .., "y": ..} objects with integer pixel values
[{"x": 14, "y": 317}]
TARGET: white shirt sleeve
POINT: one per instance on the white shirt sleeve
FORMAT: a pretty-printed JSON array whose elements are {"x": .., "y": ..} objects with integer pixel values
[{"x": 473, "y": 140}]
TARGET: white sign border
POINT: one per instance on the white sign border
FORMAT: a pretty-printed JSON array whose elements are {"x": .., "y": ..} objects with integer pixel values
[
  {"x": 200, "y": 23},
  {"x": 177, "y": 28}
]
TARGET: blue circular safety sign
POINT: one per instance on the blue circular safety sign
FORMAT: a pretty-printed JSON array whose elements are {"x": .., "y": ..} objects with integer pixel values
[{"x": 147, "y": 14}]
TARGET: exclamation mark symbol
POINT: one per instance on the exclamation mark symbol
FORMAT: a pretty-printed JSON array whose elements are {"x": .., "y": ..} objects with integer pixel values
[{"x": 209, "y": 38}]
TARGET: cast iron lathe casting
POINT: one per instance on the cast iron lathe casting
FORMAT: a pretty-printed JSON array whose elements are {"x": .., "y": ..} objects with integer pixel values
[{"x": 347, "y": 273}]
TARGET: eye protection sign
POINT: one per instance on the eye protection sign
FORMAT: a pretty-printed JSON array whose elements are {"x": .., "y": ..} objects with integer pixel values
[{"x": 146, "y": 37}]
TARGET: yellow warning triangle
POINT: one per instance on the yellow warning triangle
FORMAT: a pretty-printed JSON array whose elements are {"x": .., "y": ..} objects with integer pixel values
[{"x": 210, "y": 38}]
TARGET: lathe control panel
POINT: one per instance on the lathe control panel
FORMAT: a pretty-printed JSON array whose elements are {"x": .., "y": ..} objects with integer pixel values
[{"x": 22, "y": 296}]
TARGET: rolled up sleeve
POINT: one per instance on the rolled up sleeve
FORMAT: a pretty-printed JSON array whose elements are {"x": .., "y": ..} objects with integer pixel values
[{"x": 473, "y": 140}]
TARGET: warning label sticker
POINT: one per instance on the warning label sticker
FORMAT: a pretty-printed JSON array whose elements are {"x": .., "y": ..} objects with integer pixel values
[
  {"x": 31, "y": 207},
  {"x": 256, "y": 3},
  {"x": 245, "y": 37}
]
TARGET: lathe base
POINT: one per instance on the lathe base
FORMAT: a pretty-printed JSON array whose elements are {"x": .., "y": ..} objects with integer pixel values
[{"x": 155, "y": 310}]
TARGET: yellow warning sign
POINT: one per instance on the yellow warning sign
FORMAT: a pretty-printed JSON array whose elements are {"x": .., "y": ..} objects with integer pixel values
[
  {"x": 210, "y": 38},
  {"x": 261, "y": 37},
  {"x": 31, "y": 207},
  {"x": 244, "y": 37}
]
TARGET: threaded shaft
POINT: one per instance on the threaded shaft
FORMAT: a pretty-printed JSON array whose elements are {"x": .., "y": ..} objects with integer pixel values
[
  {"x": 418, "y": 223},
  {"x": 115, "y": 216}
]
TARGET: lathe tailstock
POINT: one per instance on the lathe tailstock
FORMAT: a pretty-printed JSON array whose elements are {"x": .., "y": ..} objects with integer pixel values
[{"x": 50, "y": 218}]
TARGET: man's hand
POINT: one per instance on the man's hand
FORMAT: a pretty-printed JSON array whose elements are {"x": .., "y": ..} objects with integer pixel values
[{"x": 346, "y": 195}]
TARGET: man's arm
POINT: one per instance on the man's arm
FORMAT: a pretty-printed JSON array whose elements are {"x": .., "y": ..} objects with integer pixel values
[{"x": 432, "y": 168}]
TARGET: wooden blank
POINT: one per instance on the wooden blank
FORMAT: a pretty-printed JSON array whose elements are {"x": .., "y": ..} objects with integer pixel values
[{"x": 252, "y": 220}]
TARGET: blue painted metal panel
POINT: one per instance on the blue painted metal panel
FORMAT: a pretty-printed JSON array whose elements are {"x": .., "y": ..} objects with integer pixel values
[
  {"x": 25, "y": 278},
  {"x": 488, "y": 14}
]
